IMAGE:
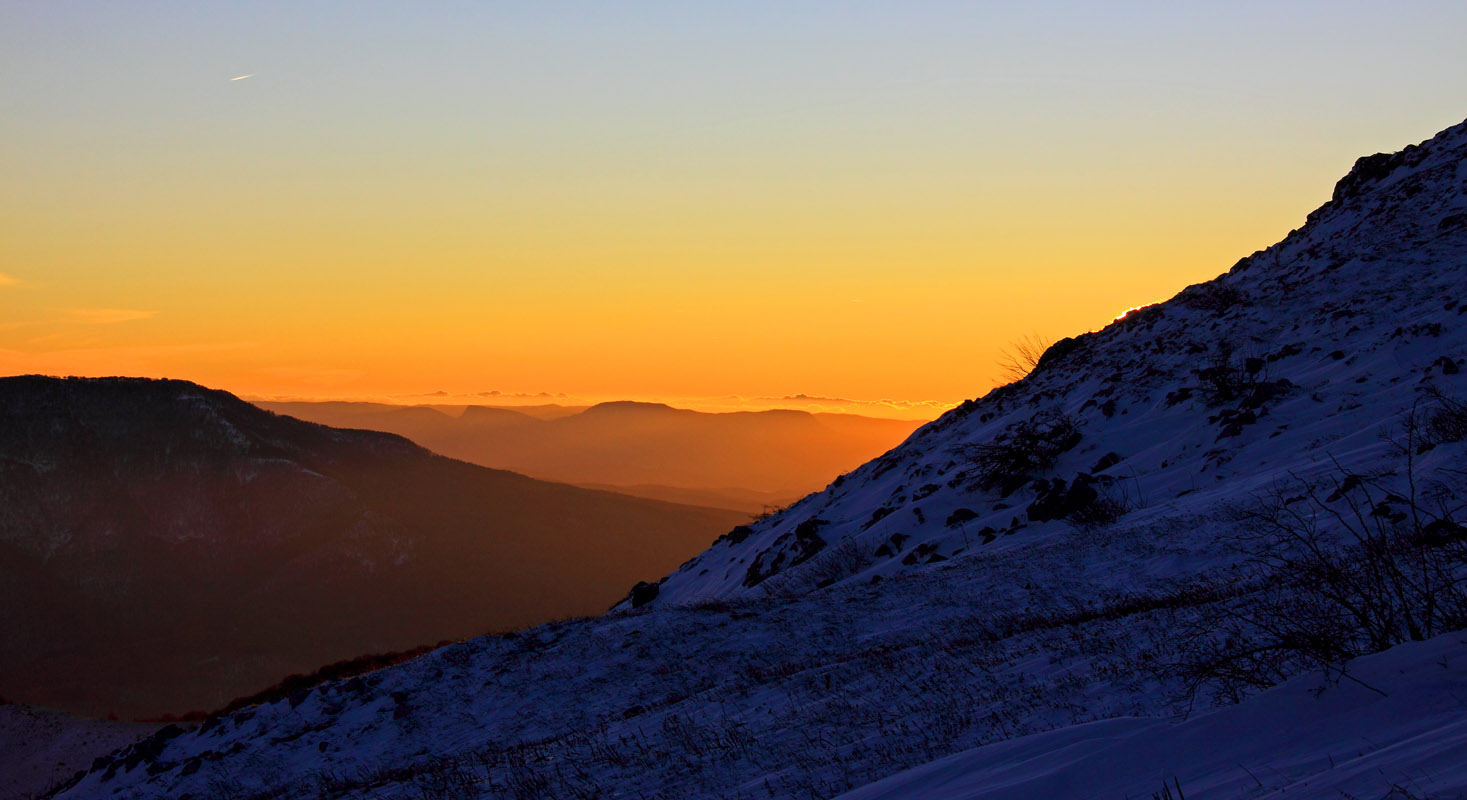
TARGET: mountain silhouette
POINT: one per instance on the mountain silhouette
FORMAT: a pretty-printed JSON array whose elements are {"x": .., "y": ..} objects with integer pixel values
[{"x": 165, "y": 547}]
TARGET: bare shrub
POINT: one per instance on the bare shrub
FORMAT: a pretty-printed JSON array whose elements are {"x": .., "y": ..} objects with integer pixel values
[
  {"x": 1223, "y": 380},
  {"x": 1022, "y": 356},
  {"x": 1086, "y": 502},
  {"x": 835, "y": 563},
  {"x": 1166, "y": 791},
  {"x": 769, "y": 510},
  {"x": 1024, "y": 451},
  {"x": 1442, "y": 422},
  {"x": 1106, "y": 509},
  {"x": 1348, "y": 567}
]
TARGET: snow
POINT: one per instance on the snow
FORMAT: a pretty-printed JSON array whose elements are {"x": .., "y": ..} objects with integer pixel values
[
  {"x": 39, "y": 748},
  {"x": 1398, "y": 723},
  {"x": 899, "y": 647}
]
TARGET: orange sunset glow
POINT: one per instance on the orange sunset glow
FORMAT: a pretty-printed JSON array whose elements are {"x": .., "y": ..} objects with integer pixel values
[{"x": 722, "y": 209}]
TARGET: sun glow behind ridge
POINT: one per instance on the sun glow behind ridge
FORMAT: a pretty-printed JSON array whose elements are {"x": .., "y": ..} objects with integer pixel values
[{"x": 1132, "y": 310}]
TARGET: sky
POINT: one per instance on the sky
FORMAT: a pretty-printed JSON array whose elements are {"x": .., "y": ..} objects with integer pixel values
[{"x": 738, "y": 202}]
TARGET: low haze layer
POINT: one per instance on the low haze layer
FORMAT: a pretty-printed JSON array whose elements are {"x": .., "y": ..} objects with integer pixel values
[{"x": 743, "y": 460}]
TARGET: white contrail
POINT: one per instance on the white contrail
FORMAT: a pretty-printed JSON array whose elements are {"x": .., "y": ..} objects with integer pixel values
[{"x": 242, "y": 77}]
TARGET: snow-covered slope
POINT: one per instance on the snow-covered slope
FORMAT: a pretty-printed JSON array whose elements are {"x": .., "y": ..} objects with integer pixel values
[
  {"x": 1298, "y": 356},
  {"x": 39, "y": 748},
  {"x": 1396, "y": 731},
  {"x": 877, "y": 626}
]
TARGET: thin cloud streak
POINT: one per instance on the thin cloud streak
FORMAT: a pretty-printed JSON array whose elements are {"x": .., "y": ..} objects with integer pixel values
[
  {"x": 108, "y": 316},
  {"x": 138, "y": 360}
]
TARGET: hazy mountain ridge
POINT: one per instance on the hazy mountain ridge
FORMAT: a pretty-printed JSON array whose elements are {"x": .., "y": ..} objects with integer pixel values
[
  {"x": 851, "y": 637},
  {"x": 630, "y": 444},
  {"x": 185, "y": 547}
]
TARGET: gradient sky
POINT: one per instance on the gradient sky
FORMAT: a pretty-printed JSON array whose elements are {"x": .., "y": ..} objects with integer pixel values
[{"x": 660, "y": 200}]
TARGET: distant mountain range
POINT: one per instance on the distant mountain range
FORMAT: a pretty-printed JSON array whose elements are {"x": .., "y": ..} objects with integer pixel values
[
  {"x": 742, "y": 460},
  {"x": 166, "y": 547}
]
